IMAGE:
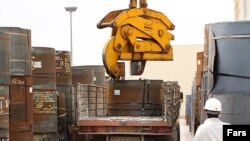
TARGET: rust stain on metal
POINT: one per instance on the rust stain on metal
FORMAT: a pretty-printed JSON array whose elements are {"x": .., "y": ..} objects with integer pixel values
[
  {"x": 21, "y": 109},
  {"x": 63, "y": 64},
  {"x": 21, "y": 136},
  {"x": 63, "y": 68},
  {"x": 44, "y": 62}
]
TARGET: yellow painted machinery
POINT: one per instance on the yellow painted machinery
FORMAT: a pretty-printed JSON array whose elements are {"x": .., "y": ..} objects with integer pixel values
[{"x": 138, "y": 35}]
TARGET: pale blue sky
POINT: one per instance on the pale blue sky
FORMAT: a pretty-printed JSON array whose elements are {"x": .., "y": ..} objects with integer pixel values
[{"x": 49, "y": 22}]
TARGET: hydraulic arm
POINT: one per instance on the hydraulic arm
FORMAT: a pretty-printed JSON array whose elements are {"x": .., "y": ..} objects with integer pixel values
[{"x": 138, "y": 35}]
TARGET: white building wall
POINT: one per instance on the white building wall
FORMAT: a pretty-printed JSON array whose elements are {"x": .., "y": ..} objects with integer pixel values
[{"x": 241, "y": 10}]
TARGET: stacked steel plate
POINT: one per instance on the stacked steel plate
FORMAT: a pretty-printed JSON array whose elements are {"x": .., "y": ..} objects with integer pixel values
[
  {"x": 44, "y": 94},
  {"x": 20, "y": 95},
  {"x": 63, "y": 86}
]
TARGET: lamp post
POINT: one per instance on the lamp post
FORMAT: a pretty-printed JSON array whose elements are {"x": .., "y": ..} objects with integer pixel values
[{"x": 70, "y": 10}]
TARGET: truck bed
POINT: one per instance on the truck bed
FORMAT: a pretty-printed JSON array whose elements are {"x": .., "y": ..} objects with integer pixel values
[{"x": 124, "y": 125}]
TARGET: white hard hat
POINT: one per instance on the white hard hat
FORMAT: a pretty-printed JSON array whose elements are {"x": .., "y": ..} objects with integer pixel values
[{"x": 213, "y": 104}]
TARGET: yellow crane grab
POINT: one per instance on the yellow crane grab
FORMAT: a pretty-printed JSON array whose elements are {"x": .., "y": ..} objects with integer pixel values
[{"x": 138, "y": 35}]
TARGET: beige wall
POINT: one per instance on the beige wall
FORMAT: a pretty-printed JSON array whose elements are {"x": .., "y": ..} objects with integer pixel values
[
  {"x": 182, "y": 69},
  {"x": 241, "y": 10}
]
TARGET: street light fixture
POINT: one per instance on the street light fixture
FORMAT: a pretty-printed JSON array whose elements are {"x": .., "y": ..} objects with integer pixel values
[{"x": 70, "y": 10}]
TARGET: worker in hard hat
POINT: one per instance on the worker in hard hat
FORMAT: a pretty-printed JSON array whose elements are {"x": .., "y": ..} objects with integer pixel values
[{"x": 211, "y": 129}]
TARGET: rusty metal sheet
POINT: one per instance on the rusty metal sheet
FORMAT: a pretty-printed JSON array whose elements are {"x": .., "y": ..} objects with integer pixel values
[
  {"x": 20, "y": 50},
  {"x": 4, "y": 58},
  {"x": 44, "y": 111},
  {"x": 63, "y": 64},
  {"x": 21, "y": 103},
  {"x": 44, "y": 82},
  {"x": 61, "y": 122},
  {"x": 98, "y": 74},
  {"x": 133, "y": 98},
  {"x": 43, "y": 61},
  {"x": 199, "y": 62},
  {"x": 63, "y": 67},
  {"x": 63, "y": 80},
  {"x": 67, "y": 120},
  {"x": 21, "y": 136},
  {"x": 89, "y": 75},
  {"x": 66, "y": 90},
  {"x": 82, "y": 75}
]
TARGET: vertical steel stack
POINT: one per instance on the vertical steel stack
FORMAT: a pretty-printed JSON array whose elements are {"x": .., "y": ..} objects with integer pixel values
[
  {"x": 20, "y": 84},
  {"x": 44, "y": 94},
  {"x": 188, "y": 109},
  {"x": 194, "y": 122},
  {"x": 204, "y": 81},
  {"x": 199, "y": 73},
  {"x": 229, "y": 69},
  {"x": 63, "y": 86},
  {"x": 198, "y": 93},
  {"x": 4, "y": 85}
]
